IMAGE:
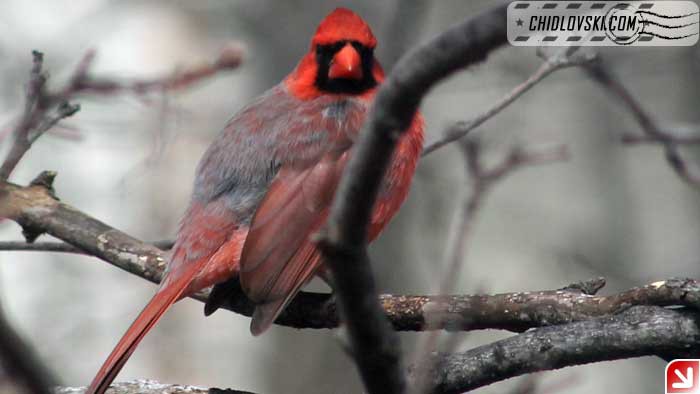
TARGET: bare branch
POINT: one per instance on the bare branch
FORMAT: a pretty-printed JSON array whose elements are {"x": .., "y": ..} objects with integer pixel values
[
  {"x": 38, "y": 118},
  {"x": 74, "y": 227},
  {"x": 550, "y": 65},
  {"x": 343, "y": 244},
  {"x": 34, "y": 206},
  {"x": 82, "y": 83},
  {"x": 482, "y": 180},
  {"x": 151, "y": 387},
  {"x": 681, "y": 134},
  {"x": 12, "y": 246},
  {"x": 636, "y": 332},
  {"x": 516, "y": 312},
  {"x": 669, "y": 140},
  {"x": 62, "y": 247},
  {"x": 33, "y": 108}
]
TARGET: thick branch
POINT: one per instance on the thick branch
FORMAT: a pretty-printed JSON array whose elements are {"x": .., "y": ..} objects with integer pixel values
[
  {"x": 152, "y": 387},
  {"x": 35, "y": 207},
  {"x": 374, "y": 345},
  {"x": 37, "y": 211},
  {"x": 638, "y": 331}
]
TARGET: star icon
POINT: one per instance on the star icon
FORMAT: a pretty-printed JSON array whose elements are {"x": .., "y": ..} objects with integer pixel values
[{"x": 519, "y": 22}]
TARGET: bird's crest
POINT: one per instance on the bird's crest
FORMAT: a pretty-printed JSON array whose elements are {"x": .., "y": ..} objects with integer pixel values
[{"x": 344, "y": 25}]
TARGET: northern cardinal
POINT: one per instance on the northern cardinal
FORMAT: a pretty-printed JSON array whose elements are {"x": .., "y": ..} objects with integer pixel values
[{"x": 265, "y": 185}]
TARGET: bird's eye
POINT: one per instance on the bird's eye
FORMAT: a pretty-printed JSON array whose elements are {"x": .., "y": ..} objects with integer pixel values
[
  {"x": 364, "y": 50},
  {"x": 321, "y": 48},
  {"x": 337, "y": 46},
  {"x": 329, "y": 48}
]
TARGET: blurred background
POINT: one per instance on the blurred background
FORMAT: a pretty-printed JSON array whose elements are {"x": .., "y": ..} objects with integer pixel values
[{"x": 611, "y": 210}]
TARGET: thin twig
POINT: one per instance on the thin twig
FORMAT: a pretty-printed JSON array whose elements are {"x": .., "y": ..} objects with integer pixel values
[
  {"x": 681, "y": 134},
  {"x": 653, "y": 132},
  {"x": 37, "y": 118},
  {"x": 82, "y": 83},
  {"x": 550, "y": 65},
  {"x": 33, "y": 108}
]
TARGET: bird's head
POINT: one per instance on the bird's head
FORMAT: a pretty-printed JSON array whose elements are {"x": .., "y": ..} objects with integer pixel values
[{"x": 340, "y": 60}]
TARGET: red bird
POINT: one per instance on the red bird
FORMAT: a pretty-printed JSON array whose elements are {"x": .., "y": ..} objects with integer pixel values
[{"x": 265, "y": 185}]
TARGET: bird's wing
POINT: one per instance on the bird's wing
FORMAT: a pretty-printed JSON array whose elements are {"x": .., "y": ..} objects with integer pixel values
[{"x": 278, "y": 255}]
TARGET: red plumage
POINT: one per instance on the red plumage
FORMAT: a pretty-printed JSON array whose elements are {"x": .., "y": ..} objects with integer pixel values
[{"x": 265, "y": 185}]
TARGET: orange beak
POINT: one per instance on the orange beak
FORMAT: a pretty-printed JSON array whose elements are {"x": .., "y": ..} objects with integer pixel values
[{"x": 346, "y": 64}]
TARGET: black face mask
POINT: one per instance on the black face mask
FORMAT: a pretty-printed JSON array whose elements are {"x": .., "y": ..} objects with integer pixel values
[{"x": 324, "y": 56}]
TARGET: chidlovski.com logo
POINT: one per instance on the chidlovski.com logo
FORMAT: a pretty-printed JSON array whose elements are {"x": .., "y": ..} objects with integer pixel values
[{"x": 603, "y": 23}]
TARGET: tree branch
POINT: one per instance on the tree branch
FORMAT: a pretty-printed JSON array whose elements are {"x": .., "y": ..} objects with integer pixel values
[
  {"x": 481, "y": 179},
  {"x": 567, "y": 58},
  {"x": 343, "y": 243},
  {"x": 681, "y": 134},
  {"x": 229, "y": 57},
  {"x": 652, "y": 131},
  {"x": 34, "y": 107},
  {"x": 62, "y": 247},
  {"x": 142, "y": 386},
  {"x": 636, "y": 332},
  {"x": 36, "y": 208},
  {"x": 37, "y": 118}
]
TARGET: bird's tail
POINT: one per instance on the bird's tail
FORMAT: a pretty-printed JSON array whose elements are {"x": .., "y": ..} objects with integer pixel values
[{"x": 164, "y": 298}]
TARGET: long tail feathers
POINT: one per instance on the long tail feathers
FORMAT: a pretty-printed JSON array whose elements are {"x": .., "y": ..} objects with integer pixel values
[{"x": 150, "y": 315}]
